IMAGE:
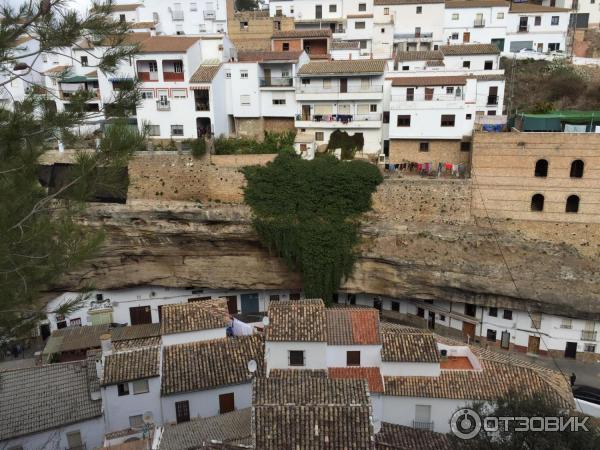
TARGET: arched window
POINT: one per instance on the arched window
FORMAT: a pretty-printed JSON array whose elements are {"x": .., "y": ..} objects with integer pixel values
[
  {"x": 572, "y": 204},
  {"x": 541, "y": 168},
  {"x": 537, "y": 202},
  {"x": 577, "y": 169}
]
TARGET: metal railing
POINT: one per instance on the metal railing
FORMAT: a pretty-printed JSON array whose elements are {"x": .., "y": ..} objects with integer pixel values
[
  {"x": 344, "y": 118},
  {"x": 277, "y": 82},
  {"x": 337, "y": 89},
  {"x": 587, "y": 335},
  {"x": 523, "y": 29},
  {"x": 210, "y": 14},
  {"x": 424, "y": 97},
  {"x": 163, "y": 105},
  {"x": 492, "y": 100},
  {"x": 420, "y": 425},
  {"x": 479, "y": 23},
  {"x": 147, "y": 76},
  {"x": 420, "y": 35}
]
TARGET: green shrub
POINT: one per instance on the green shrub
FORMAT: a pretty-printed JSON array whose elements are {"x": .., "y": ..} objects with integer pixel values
[
  {"x": 272, "y": 143},
  {"x": 197, "y": 147},
  {"x": 348, "y": 144}
]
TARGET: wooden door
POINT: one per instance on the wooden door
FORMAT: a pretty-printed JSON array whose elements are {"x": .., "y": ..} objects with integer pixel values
[
  {"x": 140, "y": 315},
  {"x": 571, "y": 350},
  {"x": 469, "y": 330},
  {"x": 226, "y": 403},
  {"x": 318, "y": 12},
  {"x": 533, "y": 345},
  {"x": 343, "y": 84},
  {"x": 466, "y": 37},
  {"x": 232, "y": 304},
  {"x": 182, "y": 411},
  {"x": 305, "y": 112},
  {"x": 250, "y": 304}
]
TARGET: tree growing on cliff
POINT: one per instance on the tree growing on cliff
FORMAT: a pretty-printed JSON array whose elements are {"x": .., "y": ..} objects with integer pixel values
[
  {"x": 308, "y": 213},
  {"x": 40, "y": 236}
]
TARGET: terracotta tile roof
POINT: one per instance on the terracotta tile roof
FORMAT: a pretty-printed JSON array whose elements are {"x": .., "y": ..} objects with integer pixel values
[
  {"x": 142, "y": 25},
  {"x": 469, "y": 49},
  {"x": 345, "y": 45},
  {"x": 225, "y": 428},
  {"x": 314, "y": 414},
  {"x": 45, "y": 397},
  {"x": 371, "y": 374},
  {"x": 434, "y": 63},
  {"x": 167, "y": 44},
  {"x": 352, "y": 326},
  {"x": 450, "y": 4},
  {"x": 56, "y": 70},
  {"x": 195, "y": 316},
  {"x": 136, "y": 343},
  {"x": 205, "y": 73},
  {"x": 135, "y": 332},
  {"x": 420, "y": 55},
  {"x": 341, "y": 67},
  {"x": 197, "y": 366},
  {"x": 301, "y": 34},
  {"x": 258, "y": 56},
  {"x": 125, "y": 7},
  {"x": 532, "y": 7},
  {"x": 429, "y": 81},
  {"x": 297, "y": 374},
  {"x": 399, "y": 437},
  {"x": 296, "y": 320},
  {"x": 408, "y": 346},
  {"x": 405, "y": 2},
  {"x": 359, "y": 16},
  {"x": 131, "y": 365},
  {"x": 80, "y": 338}
]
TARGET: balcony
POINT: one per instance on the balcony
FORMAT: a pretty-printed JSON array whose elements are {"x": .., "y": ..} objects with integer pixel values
[
  {"x": 173, "y": 76},
  {"x": 163, "y": 105},
  {"x": 409, "y": 36},
  {"x": 334, "y": 121},
  {"x": 202, "y": 106},
  {"x": 177, "y": 14},
  {"x": 148, "y": 76},
  {"x": 336, "y": 89},
  {"x": 277, "y": 82},
  {"x": 492, "y": 100},
  {"x": 420, "y": 425},
  {"x": 210, "y": 14},
  {"x": 523, "y": 29},
  {"x": 479, "y": 23},
  {"x": 587, "y": 335}
]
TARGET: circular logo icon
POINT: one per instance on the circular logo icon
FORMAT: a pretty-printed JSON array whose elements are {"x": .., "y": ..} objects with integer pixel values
[{"x": 465, "y": 423}]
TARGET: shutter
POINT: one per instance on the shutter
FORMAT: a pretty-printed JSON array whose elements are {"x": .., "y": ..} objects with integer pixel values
[{"x": 323, "y": 109}]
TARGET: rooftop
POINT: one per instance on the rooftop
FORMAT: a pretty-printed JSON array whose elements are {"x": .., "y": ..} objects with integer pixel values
[
  {"x": 408, "y": 345},
  {"x": 298, "y": 320},
  {"x": 450, "y": 4},
  {"x": 75, "y": 338},
  {"x": 302, "y": 34},
  {"x": 263, "y": 56},
  {"x": 197, "y": 366},
  {"x": 405, "y": 2},
  {"x": 205, "y": 73},
  {"x": 194, "y": 316},
  {"x": 167, "y": 44},
  {"x": 352, "y": 326},
  {"x": 135, "y": 364},
  {"x": 355, "y": 66},
  {"x": 135, "y": 332},
  {"x": 422, "y": 55},
  {"x": 470, "y": 49},
  {"x": 429, "y": 81},
  {"x": 532, "y": 7},
  {"x": 371, "y": 375},
  {"x": 345, "y": 45},
  {"x": 124, "y": 7},
  {"x": 399, "y": 437},
  {"x": 45, "y": 397}
]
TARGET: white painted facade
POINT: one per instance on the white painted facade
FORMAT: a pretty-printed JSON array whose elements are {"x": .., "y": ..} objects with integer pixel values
[
  {"x": 481, "y": 25},
  {"x": 540, "y": 31},
  {"x": 402, "y": 411},
  {"x": 410, "y": 369},
  {"x": 370, "y": 355},
  {"x": 194, "y": 336},
  {"x": 277, "y": 355}
]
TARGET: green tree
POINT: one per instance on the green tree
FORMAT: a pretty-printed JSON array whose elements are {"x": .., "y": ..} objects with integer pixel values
[
  {"x": 41, "y": 236},
  {"x": 308, "y": 213},
  {"x": 519, "y": 404},
  {"x": 246, "y": 5}
]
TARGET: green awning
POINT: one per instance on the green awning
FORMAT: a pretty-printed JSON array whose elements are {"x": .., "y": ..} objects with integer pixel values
[
  {"x": 77, "y": 79},
  {"x": 553, "y": 121}
]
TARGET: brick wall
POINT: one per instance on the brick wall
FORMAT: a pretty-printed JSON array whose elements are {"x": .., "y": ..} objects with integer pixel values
[
  {"x": 445, "y": 151},
  {"x": 294, "y": 44},
  {"x": 250, "y": 127},
  {"x": 278, "y": 124}
]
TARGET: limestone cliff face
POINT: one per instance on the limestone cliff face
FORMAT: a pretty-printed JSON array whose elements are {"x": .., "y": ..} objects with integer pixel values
[{"x": 215, "y": 247}]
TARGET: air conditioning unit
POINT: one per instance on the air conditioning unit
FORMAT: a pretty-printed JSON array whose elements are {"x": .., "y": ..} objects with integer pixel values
[{"x": 444, "y": 353}]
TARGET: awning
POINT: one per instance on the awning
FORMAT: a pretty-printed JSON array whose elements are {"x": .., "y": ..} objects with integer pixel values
[
  {"x": 199, "y": 88},
  {"x": 120, "y": 79},
  {"x": 77, "y": 79}
]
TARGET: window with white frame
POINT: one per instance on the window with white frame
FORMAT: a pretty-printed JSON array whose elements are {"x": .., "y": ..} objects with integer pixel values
[
  {"x": 147, "y": 94},
  {"x": 177, "y": 67},
  {"x": 279, "y": 101},
  {"x": 359, "y": 25},
  {"x": 454, "y": 36},
  {"x": 589, "y": 348},
  {"x": 136, "y": 421},
  {"x": 176, "y": 130},
  {"x": 193, "y": 6},
  {"x": 243, "y": 74},
  {"x": 362, "y": 7},
  {"x": 179, "y": 93},
  {"x": 332, "y": 8},
  {"x": 455, "y": 16},
  {"x": 365, "y": 82},
  {"x": 245, "y": 100},
  {"x": 153, "y": 130},
  {"x": 386, "y": 11},
  {"x": 373, "y": 108},
  {"x": 296, "y": 358},
  {"x": 285, "y": 74},
  {"x": 566, "y": 323},
  {"x": 555, "y": 20},
  {"x": 140, "y": 387}
]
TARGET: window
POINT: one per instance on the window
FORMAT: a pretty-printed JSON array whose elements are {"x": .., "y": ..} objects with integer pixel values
[
  {"x": 362, "y": 7},
  {"x": 84, "y": 61},
  {"x": 555, "y": 20},
  {"x": 536, "y": 320},
  {"x": 146, "y": 95},
  {"x": 572, "y": 204},
  {"x": 454, "y": 36},
  {"x": 403, "y": 121},
  {"x": 152, "y": 66},
  {"x": 153, "y": 130},
  {"x": 243, "y": 74},
  {"x": 507, "y": 314},
  {"x": 365, "y": 83},
  {"x": 226, "y": 403},
  {"x": 305, "y": 81},
  {"x": 352, "y": 299},
  {"x": 422, "y": 417},
  {"x": 122, "y": 18},
  {"x": 491, "y": 335},
  {"x": 447, "y": 120},
  {"x": 296, "y": 357},
  {"x": 589, "y": 348},
  {"x": 500, "y": 16},
  {"x": 353, "y": 358},
  {"x": 182, "y": 411},
  {"x": 326, "y": 83},
  {"x": 423, "y": 146},
  {"x": 577, "y": 169},
  {"x": 386, "y": 117},
  {"x": 386, "y": 11},
  {"x": 74, "y": 440},
  {"x": 488, "y": 65},
  {"x": 396, "y": 306},
  {"x": 291, "y": 10},
  {"x": 319, "y": 136},
  {"x": 465, "y": 146},
  {"x": 553, "y": 46},
  {"x": 140, "y": 387},
  {"x": 193, "y": 7},
  {"x": 470, "y": 310},
  {"x": 228, "y": 74},
  {"x": 373, "y": 108},
  {"x": 566, "y": 323},
  {"x": 442, "y": 318},
  {"x": 274, "y": 298},
  {"x": 332, "y": 8},
  {"x": 382, "y": 30},
  {"x": 455, "y": 16},
  {"x": 244, "y": 26},
  {"x": 493, "y": 312},
  {"x": 278, "y": 11},
  {"x": 136, "y": 421},
  {"x": 179, "y": 93},
  {"x": 405, "y": 67},
  {"x": 276, "y": 25},
  {"x": 537, "y": 21},
  {"x": 420, "y": 312},
  {"x": 449, "y": 90},
  {"x": 541, "y": 168},
  {"x": 468, "y": 116},
  {"x": 359, "y": 25},
  {"x": 177, "y": 67},
  {"x": 123, "y": 389},
  {"x": 176, "y": 130},
  {"x": 294, "y": 295},
  {"x": 285, "y": 46},
  {"x": 537, "y": 202},
  {"x": 279, "y": 101},
  {"x": 285, "y": 74},
  {"x": 467, "y": 64},
  {"x": 244, "y": 100}
]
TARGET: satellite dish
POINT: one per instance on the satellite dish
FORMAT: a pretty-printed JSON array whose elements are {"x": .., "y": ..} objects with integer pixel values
[
  {"x": 252, "y": 366},
  {"x": 265, "y": 321},
  {"x": 148, "y": 418}
]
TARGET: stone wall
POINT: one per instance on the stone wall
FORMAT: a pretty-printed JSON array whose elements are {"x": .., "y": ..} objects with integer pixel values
[
  {"x": 249, "y": 127},
  {"x": 278, "y": 124},
  {"x": 440, "y": 150}
]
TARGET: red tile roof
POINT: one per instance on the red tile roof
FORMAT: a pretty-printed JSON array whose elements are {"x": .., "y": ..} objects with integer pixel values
[
  {"x": 371, "y": 374},
  {"x": 353, "y": 326}
]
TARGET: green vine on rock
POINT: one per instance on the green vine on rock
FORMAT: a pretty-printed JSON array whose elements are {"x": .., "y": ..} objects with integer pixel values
[{"x": 308, "y": 213}]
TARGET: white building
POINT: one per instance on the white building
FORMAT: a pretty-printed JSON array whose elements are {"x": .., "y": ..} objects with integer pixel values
[
  {"x": 587, "y": 12},
  {"x": 541, "y": 28},
  {"x": 476, "y": 21}
]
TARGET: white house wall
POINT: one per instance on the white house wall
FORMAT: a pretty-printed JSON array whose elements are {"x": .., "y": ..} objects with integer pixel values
[
  {"x": 401, "y": 410},
  {"x": 193, "y": 336},
  {"x": 315, "y": 355},
  {"x": 193, "y": 22},
  {"x": 495, "y": 19},
  {"x": 413, "y": 369},
  {"x": 370, "y": 355}
]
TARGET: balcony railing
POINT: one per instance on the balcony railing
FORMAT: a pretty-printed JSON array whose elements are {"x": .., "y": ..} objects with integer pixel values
[
  {"x": 95, "y": 93},
  {"x": 148, "y": 76},
  {"x": 344, "y": 118},
  {"x": 420, "y": 35},
  {"x": 523, "y": 29},
  {"x": 277, "y": 82},
  {"x": 492, "y": 100},
  {"x": 210, "y": 14},
  {"x": 428, "y": 98},
  {"x": 336, "y": 89},
  {"x": 177, "y": 14},
  {"x": 202, "y": 106},
  {"x": 479, "y": 23},
  {"x": 588, "y": 335},
  {"x": 173, "y": 76},
  {"x": 420, "y": 425},
  {"x": 162, "y": 105}
]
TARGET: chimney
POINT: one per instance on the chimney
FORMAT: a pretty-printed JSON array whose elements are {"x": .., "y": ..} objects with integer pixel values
[
  {"x": 350, "y": 56},
  {"x": 106, "y": 344}
]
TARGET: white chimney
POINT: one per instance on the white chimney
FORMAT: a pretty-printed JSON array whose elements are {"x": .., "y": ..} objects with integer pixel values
[{"x": 106, "y": 344}]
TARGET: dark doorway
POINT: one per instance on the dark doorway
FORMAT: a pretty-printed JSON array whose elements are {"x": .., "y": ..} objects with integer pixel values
[
  {"x": 267, "y": 73},
  {"x": 571, "y": 350},
  {"x": 469, "y": 331},
  {"x": 226, "y": 403},
  {"x": 203, "y": 126},
  {"x": 45, "y": 331},
  {"x": 537, "y": 202},
  {"x": 533, "y": 345},
  {"x": 572, "y": 204},
  {"x": 431, "y": 321},
  {"x": 377, "y": 303},
  {"x": 232, "y": 304},
  {"x": 523, "y": 26},
  {"x": 343, "y": 84},
  {"x": 140, "y": 315},
  {"x": 541, "y": 168},
  {"x": 182, "y": 411},
  {"x": 249, "y": 303},
  {"x": 505, "y": 340},
  {"x": 318, "y": 12},
  {"x": 577, "y": 169},
  {"x": 386, "y": 147}
]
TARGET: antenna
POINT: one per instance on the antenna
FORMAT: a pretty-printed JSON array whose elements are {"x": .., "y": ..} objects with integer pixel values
[
  {"x": 252, "y": 366},
  {"x": 266, "y": 321}
]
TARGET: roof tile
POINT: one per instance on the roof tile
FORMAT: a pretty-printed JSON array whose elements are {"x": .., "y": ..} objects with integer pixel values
[
  {"x": 352, "y": 326},
  {"x": 299, "y": 320},
  {"x": 342, "y": 67},
  {"x": 135, "y": 364},
  {"x": 167, "y": 44},
  {"x": 205, "y": 73},
  {"x": 194, "y": 316},
  {"x": 470, "y": 49},
  {"x": 371, "y": 374},
  {"x": 408, "y": 346}
]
